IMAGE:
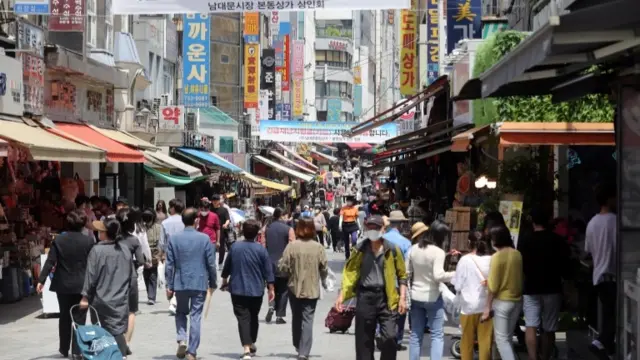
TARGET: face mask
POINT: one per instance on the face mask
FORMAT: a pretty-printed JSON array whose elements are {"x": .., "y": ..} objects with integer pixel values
[
  {"x": 374, "y": 235},
  {"x": 204, "y": 213}
]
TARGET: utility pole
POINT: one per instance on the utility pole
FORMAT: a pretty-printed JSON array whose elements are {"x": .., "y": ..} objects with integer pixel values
[
  {"x": 419, "y": 24},
  {"x": 375, "y": 66}
]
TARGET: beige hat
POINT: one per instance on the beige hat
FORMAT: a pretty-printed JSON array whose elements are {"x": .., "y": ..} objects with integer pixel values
[
  {"x": 417, "y": 229},
  {"x": 397, "y": 215},
  {"x": 99, "y": 226}
]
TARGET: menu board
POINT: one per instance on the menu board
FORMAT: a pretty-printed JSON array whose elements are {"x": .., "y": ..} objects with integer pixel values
[{"x": 63, "y": 96}]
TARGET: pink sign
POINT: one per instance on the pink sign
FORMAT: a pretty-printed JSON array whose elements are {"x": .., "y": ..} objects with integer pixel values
[
  {"x": 298, "y": 59},
  {"x": 67, "y": 15}
]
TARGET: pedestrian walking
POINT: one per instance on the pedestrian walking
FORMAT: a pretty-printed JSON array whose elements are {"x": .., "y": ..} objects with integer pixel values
[
  {"x": 68, "y": 254},
  {"x": 225, "y": 226},
  {"x": 171, "y": 226},
  {"x": 334, "y": 229},
  {"x": 209, "y": 223},
  {"x": 305, "y": 263},
  {"x": 278, "y": 236},
  {"x": 320, "y": 224},
  {"x": 107, "y": 281},
  {"x": 349, "y": 225},
  {"x": 190, "y": 273},
  {"x": 161, "y": 211},
  {"x": 153, "y": 230},
  {"x": 375, "y": 275},
  {"x": 247, "y": 269}
]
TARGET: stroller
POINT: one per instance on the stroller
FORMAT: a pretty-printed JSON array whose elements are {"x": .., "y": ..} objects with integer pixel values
[{"x": 95, "y": 343}]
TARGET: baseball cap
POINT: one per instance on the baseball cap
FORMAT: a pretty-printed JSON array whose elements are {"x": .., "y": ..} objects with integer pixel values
[
  {"x": 215, "y": 197},
  {"x": 376, "y": 220}
]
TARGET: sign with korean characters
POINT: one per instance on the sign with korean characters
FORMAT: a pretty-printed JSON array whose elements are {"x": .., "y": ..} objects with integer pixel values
[
  {"x": 251, "y": 28},
  {"x": 357, "y": 75},
  {"x": 196, "y": 57},
  {"x": 286, "y": 64},
  {"x": 433, "y": 41},
  {"x": 251, "y": 75},
  {"x": 11, "y": 101},
  {"x": 171, "y": 118},
  {"x": 408, "y": 61},
  {"x": 268, "y": 79},
  {"x": 274, "y": 24},
  {"x": 30, "y": 41},
  {"x": 67, "y": 15},
  {"x": 298, "y": 76},
  {"x": 464, "y": 21},
  {"x": 323, "y": 132}
]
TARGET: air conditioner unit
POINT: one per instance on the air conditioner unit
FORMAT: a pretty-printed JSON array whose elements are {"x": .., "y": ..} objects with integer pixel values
[
  {"x": 156, "y": 105},
  {"x": 191, "y": 122},
  {"x": 164, "y": 100}
]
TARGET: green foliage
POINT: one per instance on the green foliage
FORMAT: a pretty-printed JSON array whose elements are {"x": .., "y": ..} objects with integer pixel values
[{"x": 590, "y": 108}]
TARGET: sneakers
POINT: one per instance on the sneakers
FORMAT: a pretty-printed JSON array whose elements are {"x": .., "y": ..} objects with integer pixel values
[
  {"x": 280, "y": 321},
  {"x": 246, "y": 356},
  {"x": 253, "y": 350},
  {"x": 182, "y": 350},
  {"x": 269, "y": 316},
  {"x": 191, "y": 357},
  {"x": 151, "y": 302}
]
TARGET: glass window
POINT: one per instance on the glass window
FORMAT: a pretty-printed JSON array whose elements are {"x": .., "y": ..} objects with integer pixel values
[
  {"x": 343, "y": 57},
  {"x": 226, "y": 144},
  {"x": 320, "y": 88},
  {"x": 334, "y": 88},
  {"x": 321, "y": 55},
  {"x": 322, "y": 115}
]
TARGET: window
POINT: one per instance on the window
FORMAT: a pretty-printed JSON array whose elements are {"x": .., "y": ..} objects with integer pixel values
[
  {"x": 224, "y": 59},
  {"x": 322, "y": 115},
  {"x": 214, "y": 101},
  {"x": 320, "y": 88},
  {"x": 334, "y": 88},
  {"x": 226, "y": 145},
  {"x": 108, "y": 38},
  {"x": 333, "y": 58},
  {"x": 92, "y": 23},
  {"x": 321, "y": 56}
]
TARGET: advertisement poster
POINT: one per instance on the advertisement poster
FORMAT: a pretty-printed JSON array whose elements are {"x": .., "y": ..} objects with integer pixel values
[
  {"x": 357, "y": 75},
  {"x": 274, "y": 25},
  {"x": 334, "y": 107},
  {"x": 408, "y": 61},
  {"x": 298, "y": 76},
  {"x": 268, "y": 80},
  {"x": 196, "y": 57},
  {"x": 30, "y": 41},
  {"x": 251, "y": 28},
  {"x": 357, "y": 100},
  {"x": 511, "y": 211},
  {"x": 67, "y": 15},
  {"x": 171, "y": 118},
  {"x": 286, "y": 64},
  {"x": 251, "y": 75},
  {"x": 464, "y": 21},
  {"x": 11, "y": 102},
  {"x": 322, "y": 132},
  {"x": 433, "y": 41},
  {"x": 61, "y": 101}
]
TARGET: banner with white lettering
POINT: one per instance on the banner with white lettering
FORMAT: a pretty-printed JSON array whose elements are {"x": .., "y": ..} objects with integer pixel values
[
  {"x": 323, "y": 132},
  {"x": 268, "y": 79}
]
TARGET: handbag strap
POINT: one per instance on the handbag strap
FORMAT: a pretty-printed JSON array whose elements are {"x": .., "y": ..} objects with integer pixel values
[{"x": 478, "y": 268}]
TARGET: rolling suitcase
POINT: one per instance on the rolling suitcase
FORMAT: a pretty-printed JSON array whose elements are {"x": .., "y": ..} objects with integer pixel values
[{"x": 337, "y": 321}]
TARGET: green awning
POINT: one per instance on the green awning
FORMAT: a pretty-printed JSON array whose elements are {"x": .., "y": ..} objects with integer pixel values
[
  {"x": 172, "y": 179},
  {"x": 212, "y": 116}
]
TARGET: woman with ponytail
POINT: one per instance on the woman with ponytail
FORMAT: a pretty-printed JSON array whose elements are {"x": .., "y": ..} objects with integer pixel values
[{"x": 108, "y": 281}]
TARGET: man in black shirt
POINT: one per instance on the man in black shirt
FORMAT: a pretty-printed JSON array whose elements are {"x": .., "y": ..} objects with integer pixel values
[
  {"x": 545, "y": 258},
  {"x": 225, "y": 223}
]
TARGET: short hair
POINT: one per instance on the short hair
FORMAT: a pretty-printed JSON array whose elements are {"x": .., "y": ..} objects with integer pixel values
[
  {"x": 205, "y": 203},
  {"x": 604, "y": 193},
  {"x": 539, "y": 216},
  {"x": 76, "y": 220},
  {"x": 105, "y": 201},
  {"x": 324, "y": 208},
  {"x": 277, "y": 213},
  {"x": 94, "y": 199},
  {"x": 189, "y": 216},
  {"x": 305, "y": 229},
  {"x": 492, "y": 219},
  {"x": 81, "y": 200},
  {"x": 177, "y": 205},
  {"x": 336, "y": 211},
  {"x": 250, "y": 229},
  {"x": 501, "y": 237}
]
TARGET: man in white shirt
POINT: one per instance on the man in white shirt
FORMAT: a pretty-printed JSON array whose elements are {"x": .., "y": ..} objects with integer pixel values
[
  {"x": 172, "y": 226},
  {"x": 600, "y": 242}
]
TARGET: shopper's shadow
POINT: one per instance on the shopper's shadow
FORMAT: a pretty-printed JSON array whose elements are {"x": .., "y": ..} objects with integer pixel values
[{"x": 47, "y": 357}]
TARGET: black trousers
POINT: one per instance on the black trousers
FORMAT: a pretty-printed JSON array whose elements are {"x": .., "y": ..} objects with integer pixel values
[
  {"x": 607, "y": 291},
  {"x": 151, "y": 282},
  {"x": 281, "y": 288},
  {"x": 223, "y": 247},
  {"x": 320, "y": 237},
  {"x": 65, "y": 331},
  {"x": 246, "y": 310},
  {"x": 335, "y": 238},
  {"x": 373, "y": 310}
]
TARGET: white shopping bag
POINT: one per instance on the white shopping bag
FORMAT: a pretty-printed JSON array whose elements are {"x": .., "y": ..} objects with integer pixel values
[
  {"x": 173, "y": 304},
  {"x": 161, "y": 278},
  {"x": 451, "y": 303},
  {"x": 330, "y": 281}
]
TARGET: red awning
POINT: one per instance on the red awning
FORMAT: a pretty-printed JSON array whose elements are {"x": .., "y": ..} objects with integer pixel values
[
  {"x": 359, "y": 146},
  {"x": 83, "y": 134}
]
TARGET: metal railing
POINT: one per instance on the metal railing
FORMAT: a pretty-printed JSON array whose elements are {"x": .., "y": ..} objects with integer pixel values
[{"x": 194, "y": 139}]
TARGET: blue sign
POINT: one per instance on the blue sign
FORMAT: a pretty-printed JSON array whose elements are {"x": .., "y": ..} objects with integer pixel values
[
  {"x": 433, "y": 41},
  {"x": 463, "y": 21},
  {"x": 286, "y": 111},
  {"x": 285, "y": 28},
  {"x": 357, "y": 100},
  {"x": 334, "y": 107},
  {"x": 196, "y": 57},
  {"x": 31, "y": 7},
  {"x": 252, "y": 39},
  {"x": 278, "y": 44}
]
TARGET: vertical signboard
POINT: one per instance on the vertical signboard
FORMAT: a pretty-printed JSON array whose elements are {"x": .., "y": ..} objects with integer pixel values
[
  {"x": 263, "y": 106},
  {"x": 11, "y": 86},
  {"x": 67, "y": 15},
  {"x": 357, "y": 100},
  {"x": 274, "y": 25},
  {"x": 464, "y": 21},
  {"x": 251, "y": 75},
  {"x": 334, "y": 107},
  {"x": 251, "y": 28},
  {"x": 357, "y": 75},
  {"x": 196, "y": 60},
  {"x": 298, "y": 76},
  {"x": 268, "y": 79},
  {"x": 433, "y": 41},
  {"x": 30, "y": 41},
  {"x": 286, "y": 64},
  {"x": 461, "y": 109},
  {"x": 408, "y": 63},
  {"x": 286, "y": 111}
]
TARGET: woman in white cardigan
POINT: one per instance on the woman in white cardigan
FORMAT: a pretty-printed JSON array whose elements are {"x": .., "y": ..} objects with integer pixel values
[{"x": 425, "y": 268}]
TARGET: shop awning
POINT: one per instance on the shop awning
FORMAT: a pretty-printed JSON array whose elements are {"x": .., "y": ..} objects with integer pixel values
[
  {"x": 283, "y": 168},
  {"x": 262, "y": 182},
  {"x": 297, "y": 156},
  {"x": 288, "y": 162},
  {"x": 210, "y": 159},
  {"x": 161, "y": 159},
  {"x": 83, "y": 134},
  {"x": 172, "y": 179},
  {"x": 543, "y": 133},
  {"x": 463, "y": 141},
  {"x": 359, "y": 146},
  {"x": 409, "y": 158},
  {"x": 126, "y": 139},
  {"x": 550, "y": 58},
  {"x": 323, "y": 156},
  {"x": 46, "y": 146}
]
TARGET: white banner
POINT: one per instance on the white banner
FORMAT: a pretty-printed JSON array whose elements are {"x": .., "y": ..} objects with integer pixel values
[
  {"x": 171, "y": 118},
  {"x": 278, "y": 87},
  {"x": 322, "y": 132},
  {"x": 152, "y": 7},
  {"x": 263, "y": 105}
]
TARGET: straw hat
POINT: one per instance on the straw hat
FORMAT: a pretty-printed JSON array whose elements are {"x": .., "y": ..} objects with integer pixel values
[
  {"x": 98, "y": 226},
  {"x": 417, "y": 229},
  {"x": 397, "y": 215}
]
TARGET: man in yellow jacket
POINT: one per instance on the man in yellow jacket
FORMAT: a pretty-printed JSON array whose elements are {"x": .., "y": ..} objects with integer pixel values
[{"x": 376, "y": 276}]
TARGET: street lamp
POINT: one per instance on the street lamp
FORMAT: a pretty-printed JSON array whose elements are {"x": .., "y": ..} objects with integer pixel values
[{"x": 141, "y": 118}]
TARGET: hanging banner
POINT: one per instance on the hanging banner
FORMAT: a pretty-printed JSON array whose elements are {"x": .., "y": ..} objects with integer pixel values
[
  {"x": 357, "y": 75},
  {"x": 251, "y": 28},
  {"x": 322, "y": 132},
  {"x": 152, "y": 7},
  {"x": 464, "y": 21},
  {"x": 268, "y": 80},
  {"x": 433, "y": 41},
  {"x": 298, "y": 76},
  {"x": 274, "y": 25},
  {"x": 286, "y": 111},
  {"x": 408, "y": 61},
  {"x": 67, "y": 15},
  {"x": 286, "y": 64},
  {"x": 334, "y": 107},
  {"x": 30, "y": 41},
  {"x": 251, "y": 75},
  {"x": 263, "y": 106},
  {"x": 196, "y": 58},
  {"x": 357, "y": 100}
]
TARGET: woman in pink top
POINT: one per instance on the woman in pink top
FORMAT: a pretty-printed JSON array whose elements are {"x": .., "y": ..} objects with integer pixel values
[{"x": 208, "y": 222}]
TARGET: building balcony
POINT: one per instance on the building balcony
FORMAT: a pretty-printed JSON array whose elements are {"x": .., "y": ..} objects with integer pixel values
[
  {"x": 196, "y": 140},
  {"x": 333, "y": 73}
]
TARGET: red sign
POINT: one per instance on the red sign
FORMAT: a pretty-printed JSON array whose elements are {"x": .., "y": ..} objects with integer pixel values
[
  {"x": 67, "y": 15},
  {"x": 171, "y": 118},
  {"x": 171, "y": 114},
  {"x": 286, "y": 64},
  {"x": 337, "y": 45}
]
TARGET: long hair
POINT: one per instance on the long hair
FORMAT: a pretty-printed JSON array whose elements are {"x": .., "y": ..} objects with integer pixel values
[
  {"x": 439, "y": 232},
  {"x": 136, "y": 214},
  {"x": 163, "y": 206},
  {"x": 127, "y": 221},
  {"x": 113, "y": 230},
  {"x": 148, "y": 218}
]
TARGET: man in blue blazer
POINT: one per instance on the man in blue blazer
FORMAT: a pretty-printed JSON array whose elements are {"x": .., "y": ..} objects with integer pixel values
[{"x": 190, "y": 272}]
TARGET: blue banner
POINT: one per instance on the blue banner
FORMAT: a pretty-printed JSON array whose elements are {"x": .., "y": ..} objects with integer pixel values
[
  {"x": 334, "y": 107},
  {"x": 34, "y": 7},
  {"x": 285, "y": 28},
  {"x": 463, "y": 21},
  {"x": 433, "y": 41},
  {"x": 196, "y": 57},
  {"x": 286, "y": 111},
  {"x": 357, "y": 100}
]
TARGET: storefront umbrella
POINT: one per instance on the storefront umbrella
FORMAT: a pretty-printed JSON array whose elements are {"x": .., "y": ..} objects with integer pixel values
[
  {"x": 237, "y": 215},
  {"x": 267, "y": 210}
]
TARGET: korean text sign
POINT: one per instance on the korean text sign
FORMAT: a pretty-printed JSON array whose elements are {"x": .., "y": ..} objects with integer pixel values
[
  {"x": 67, "y": 15},
  {"x": 171, "y": 118},
  {"x": 433, "y": 41},
  {"x": 268, "y": 79},
  {"x": 251, "y": 75},
  {"x": 334, "y": 107},
  {"x": 286, "y": 67},
  {"x": 408, "y": 58},
  {"x": 196, "y": 55},
  {"x": 298, "y": 76},
  {"x": 322, "y": 132},
  {"x": 252, "y": 28},
  {"x": 463, "y": 21}
]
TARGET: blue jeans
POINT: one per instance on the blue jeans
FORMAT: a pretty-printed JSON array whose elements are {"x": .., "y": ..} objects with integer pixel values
[
  {"x": 191, "y": 303},
  {"x": 420, "y": 312}
]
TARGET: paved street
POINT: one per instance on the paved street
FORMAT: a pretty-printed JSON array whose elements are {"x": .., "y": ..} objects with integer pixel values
[{"x": 27, "y": 336}]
